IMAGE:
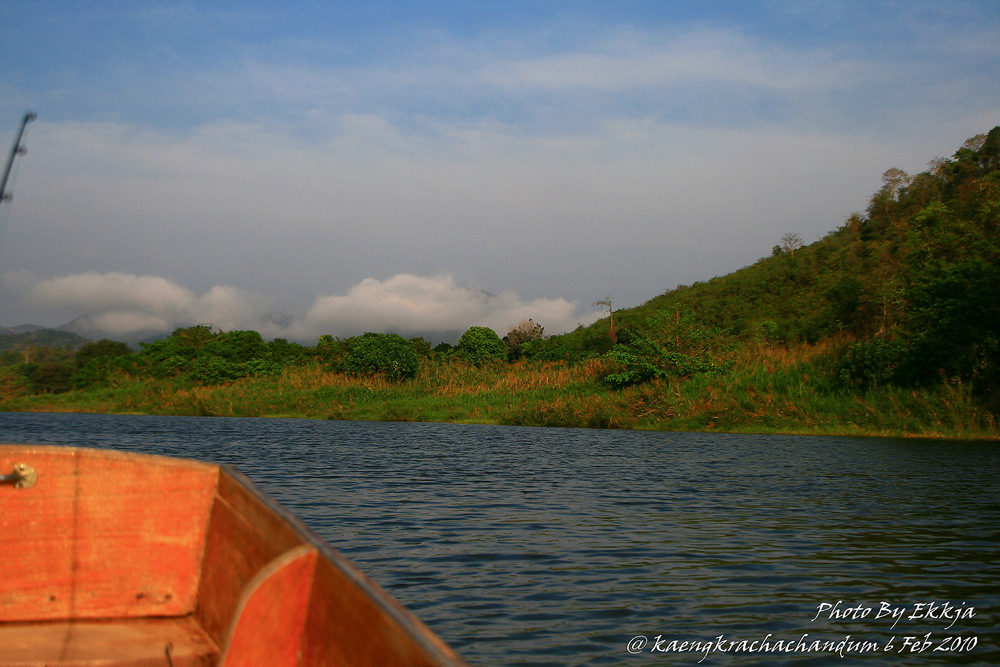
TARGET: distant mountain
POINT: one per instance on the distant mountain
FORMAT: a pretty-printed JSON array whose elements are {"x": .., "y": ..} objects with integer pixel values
[
  {"x": 25, "y": 335},
  {"x": 20, "y": 329},
  {"x": 85, "y": 327},
  {"x": 89, "y": 326}
]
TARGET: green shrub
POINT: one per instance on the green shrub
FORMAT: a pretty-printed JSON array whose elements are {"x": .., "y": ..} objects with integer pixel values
[
  {"x": 672, "y": 344},
  {"x": 262, "y": 367},
  {"x": 237, "y": 346},
  {"x": 98, "y": 370},
  {"x": 215, "y": 370},
  {"x": 872, "y": 362},
  {"x": 520, "y": 338},
  {"x": 329, "y": 351},
  {"x": 49, "y": 378},
  {"x": 388, "y": 354},
  {"x": 280, "y": 351},
  {"x": 12, "y": 383},
  {"x": 100, "y": 348},
  {"x": 481, "y": 345}
]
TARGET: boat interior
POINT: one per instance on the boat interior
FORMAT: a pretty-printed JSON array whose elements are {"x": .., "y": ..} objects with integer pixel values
[{"x": 113, "y": 558}]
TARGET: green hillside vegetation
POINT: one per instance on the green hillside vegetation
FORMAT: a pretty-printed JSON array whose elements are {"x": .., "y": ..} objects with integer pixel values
[
  {"x": 890, "y": 325},
  {"x": 912, "y": 283}
]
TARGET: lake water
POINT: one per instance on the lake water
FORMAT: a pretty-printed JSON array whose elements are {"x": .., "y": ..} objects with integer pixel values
[{"x": 583, "y": 547}]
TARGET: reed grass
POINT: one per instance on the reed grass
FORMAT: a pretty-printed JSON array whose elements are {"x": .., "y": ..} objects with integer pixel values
[{"x": 771, "y": 389}]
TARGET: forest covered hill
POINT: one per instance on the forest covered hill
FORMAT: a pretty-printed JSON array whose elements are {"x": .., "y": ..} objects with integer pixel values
[{"x": 914, "y": 281}]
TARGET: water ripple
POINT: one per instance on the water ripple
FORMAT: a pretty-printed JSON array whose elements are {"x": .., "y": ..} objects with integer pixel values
[{"x": 557, "y": 546}]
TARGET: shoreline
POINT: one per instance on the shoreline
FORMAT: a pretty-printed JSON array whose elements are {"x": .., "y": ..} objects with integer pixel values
[{"x": 798, "y": 432}]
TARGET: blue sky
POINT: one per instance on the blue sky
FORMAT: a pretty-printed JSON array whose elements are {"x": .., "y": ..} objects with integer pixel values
[{"x": 421, "y": 167}]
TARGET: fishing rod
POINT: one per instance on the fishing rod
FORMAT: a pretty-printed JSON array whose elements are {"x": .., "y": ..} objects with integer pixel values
[{"x": 16, "y": 150}]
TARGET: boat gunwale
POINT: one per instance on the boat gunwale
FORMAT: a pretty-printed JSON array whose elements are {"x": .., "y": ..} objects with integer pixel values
[{"x": 414, "y": 627}]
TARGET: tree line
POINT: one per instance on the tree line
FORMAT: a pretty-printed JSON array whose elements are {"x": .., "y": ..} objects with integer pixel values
[{"x": 208, "y": 356}]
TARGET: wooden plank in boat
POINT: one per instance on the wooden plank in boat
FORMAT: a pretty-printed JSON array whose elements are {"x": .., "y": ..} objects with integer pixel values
[{"x": 144, "y": 641}]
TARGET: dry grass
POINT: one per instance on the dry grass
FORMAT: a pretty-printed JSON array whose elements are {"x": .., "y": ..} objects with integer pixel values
[{"x": 770, "y": 389}]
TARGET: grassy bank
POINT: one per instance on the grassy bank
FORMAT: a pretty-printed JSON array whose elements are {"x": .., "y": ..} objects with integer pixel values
[{"x": 769, "y": 390}]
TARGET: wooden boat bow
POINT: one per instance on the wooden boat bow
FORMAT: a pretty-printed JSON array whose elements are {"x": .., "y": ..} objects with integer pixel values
[{"x": 132, "y": 559}]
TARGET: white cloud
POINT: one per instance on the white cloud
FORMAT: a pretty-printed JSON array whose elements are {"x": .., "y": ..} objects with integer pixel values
[
  {"x": 125, "y": 304},
  {"x": 113, "y": 291},
  {"x": 131, "y": 306},
  {"x": 126, "y": 324},
  {"x": 411, "y": 304},
  {"x": 634, "y": 59}
]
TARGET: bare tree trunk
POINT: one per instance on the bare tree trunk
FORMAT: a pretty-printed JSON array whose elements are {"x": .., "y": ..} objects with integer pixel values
[{"x": 606, "y": 301}]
